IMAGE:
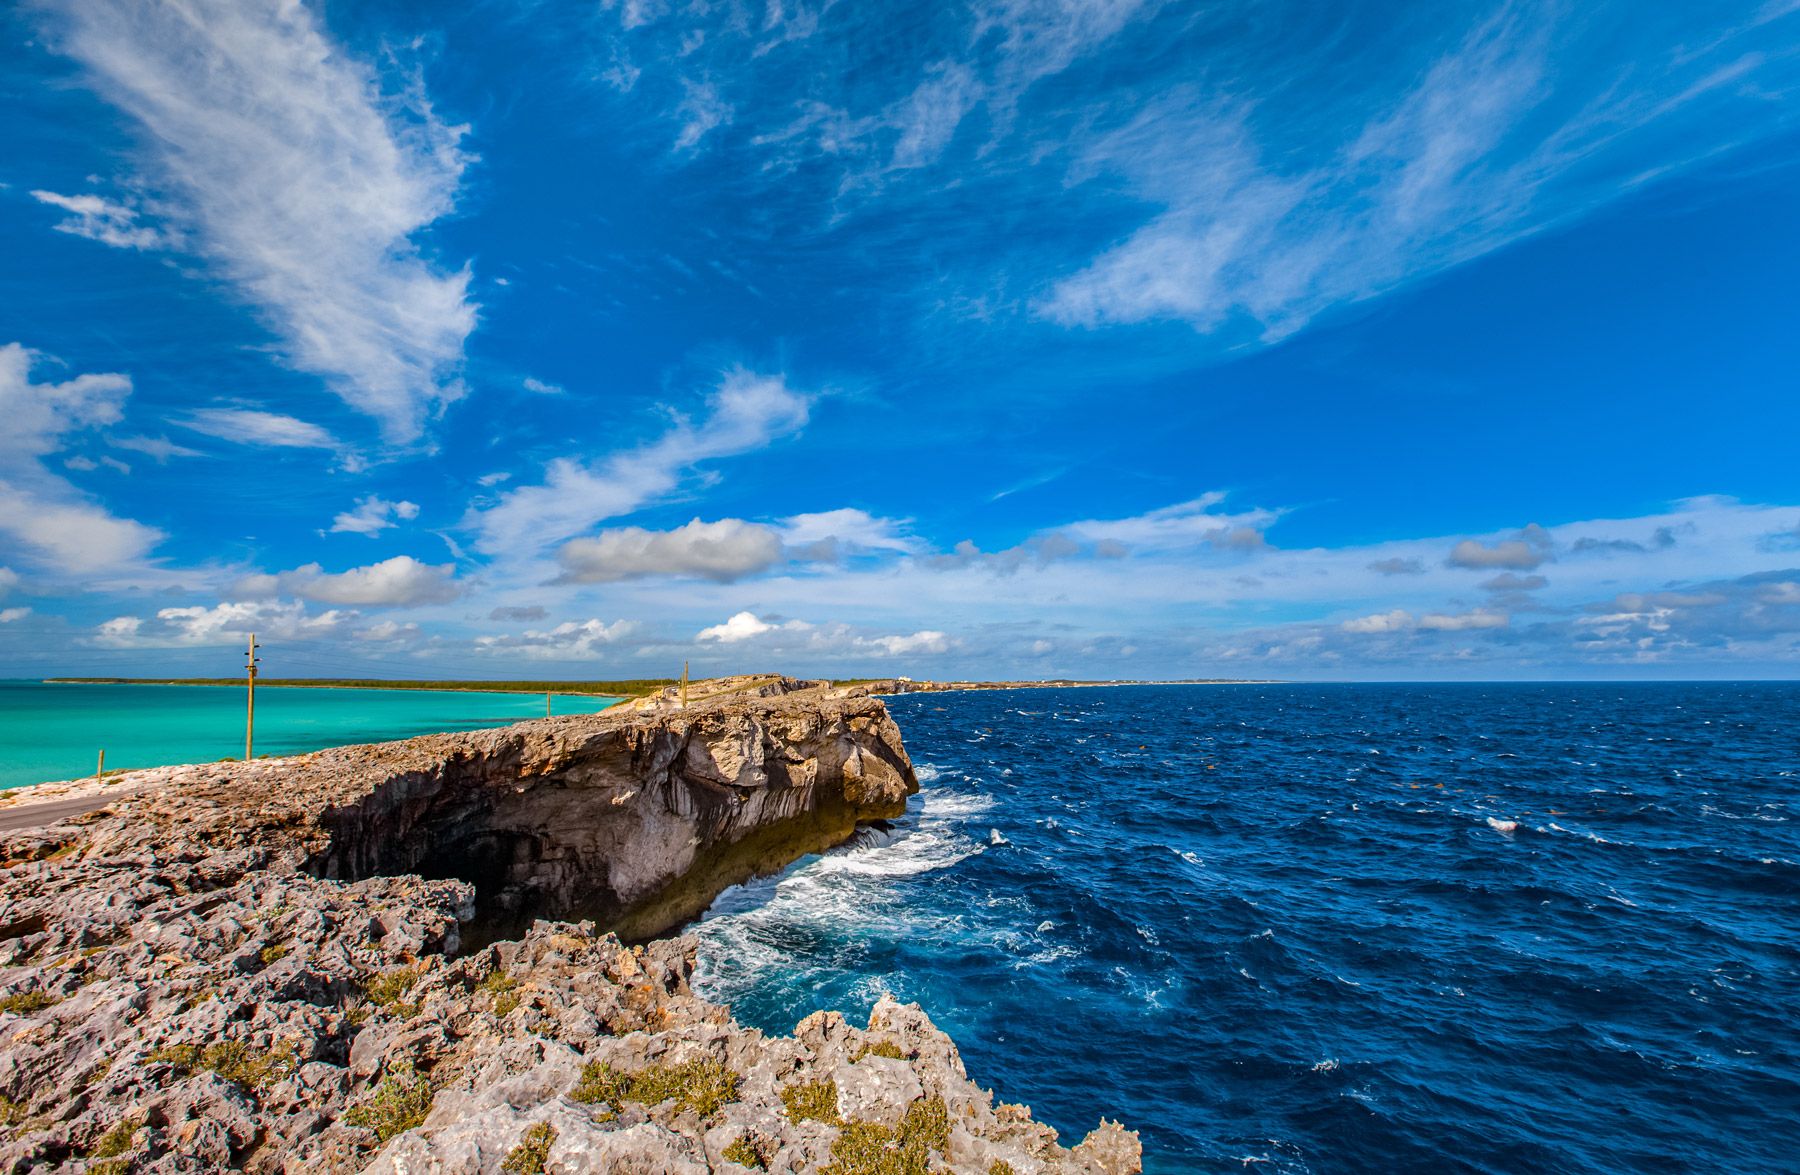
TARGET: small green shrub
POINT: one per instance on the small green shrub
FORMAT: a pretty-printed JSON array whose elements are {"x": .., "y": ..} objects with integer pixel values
[
  {"x": 817, "y": 1100},
  {"x": 116, "y": 1141},
  {"x": 401, "y": 1102},
  {"x": 744, "y": 1153},
  {"x": 504, "y": 989},
  {"x": 869, "y": 1148},
  {"x": 28, "y": 1001},
  {"x": 273, "y": 954},
  {"x": 703, "y": 1086},
  {"x": 387, "y": 991},
  {"x": 881, "y": 1048},
  {"x": 529, "y": 1157},
  {"x": 1001, "y": 1167},
  {"x": 234, "y": 1060}
]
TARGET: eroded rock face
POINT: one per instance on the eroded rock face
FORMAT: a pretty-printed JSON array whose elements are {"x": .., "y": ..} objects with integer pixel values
[{"x": 236, "y": 966}]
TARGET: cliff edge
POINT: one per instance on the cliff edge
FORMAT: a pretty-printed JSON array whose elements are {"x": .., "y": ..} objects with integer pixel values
[{"x": 414, "y": 956}]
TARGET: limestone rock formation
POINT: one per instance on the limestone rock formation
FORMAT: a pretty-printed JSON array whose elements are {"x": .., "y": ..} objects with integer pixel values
[{"x": 335, "y": 963}]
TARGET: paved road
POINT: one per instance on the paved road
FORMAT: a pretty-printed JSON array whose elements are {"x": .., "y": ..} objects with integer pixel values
[{"x": 48, "y": 812}]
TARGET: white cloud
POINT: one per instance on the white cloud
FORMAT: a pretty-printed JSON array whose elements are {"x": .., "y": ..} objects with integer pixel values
[
  {"x": 8, "y": 615},
  {"x": 158, "y": 449},
  {"x": 249, "y": 426},
  {"x": 829, "y": 639},
  {"x": 1527, "y": 550},
  {"x": 1271, "y": 215},
  {"x": 722, "y": 551},
  {"x": 703, "y": 111},
  {"x": 64, "y": 527},
  {"x": 229, "y": 623},
  {"x": 372, "y": 515},
  {"x": 848, "y": 529},
  {"x": 745, "y": 626},
  {"x": 532, "y": 384},
  {"x": 1183, "y": 525},
  {"x": 394, "y": 582},
  {"x": 100, "y": 219},
  {"x": 301, "y": 179},
  {"x": 1463, "y": 621},
  {"x": 1397, "y": 620},
  {"x": 571, "y": 640},
  {"x": 745, "y": 412}
]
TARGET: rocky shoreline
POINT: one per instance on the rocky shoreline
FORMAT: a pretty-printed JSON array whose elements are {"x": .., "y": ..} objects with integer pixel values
[{"x": 408, "y": 957}]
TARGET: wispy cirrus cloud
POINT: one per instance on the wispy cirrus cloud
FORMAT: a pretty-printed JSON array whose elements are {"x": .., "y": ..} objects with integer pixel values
[
  {"x": 301, "y": 175},
  {"x": 744, "y": 412},
  {"x": 107, "y": 221},
  {"x": 253, "y": 426}
]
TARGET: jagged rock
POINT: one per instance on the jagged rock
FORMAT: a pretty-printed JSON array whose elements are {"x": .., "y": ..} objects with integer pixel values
[{"x": 237, "y": 966}]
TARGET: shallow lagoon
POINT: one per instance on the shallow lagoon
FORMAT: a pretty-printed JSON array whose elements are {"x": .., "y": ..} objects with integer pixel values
[{"x": 56, "y": 731}]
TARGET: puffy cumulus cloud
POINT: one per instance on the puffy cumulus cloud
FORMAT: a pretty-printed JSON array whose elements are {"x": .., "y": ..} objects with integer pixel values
[
  {"x": 395, "y": 582},
  {"x": 64, "y": 528},
  {"x": 1395, "y": 621},
  {"x": 744, "y": 626},
  {"x": 372, "y": 515},
  {"x": 1525, "y": 551},
  {"x": 570, "y": 641},
  {"x": 1398, "y": 566},
  {"x": 389, "y": 632},
  {"x": 8, "y": 615},
  {"x": 103, "y": 220},
  {"x": 301, "y": 179},
  {"x": 229, "y": 623},
  {"x": 722, "y": 551},
  {"x": 746, "y": 411},
  {"x": 1400, "y": 620},
  {"x": 825, "y": 639}
]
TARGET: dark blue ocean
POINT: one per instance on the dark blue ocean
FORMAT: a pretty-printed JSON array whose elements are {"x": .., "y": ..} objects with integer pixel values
[{"x": 1507, "y": 928}]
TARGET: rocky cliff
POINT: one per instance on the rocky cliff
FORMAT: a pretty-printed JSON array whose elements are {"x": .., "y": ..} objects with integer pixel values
[{"x": 407, "y": 957}]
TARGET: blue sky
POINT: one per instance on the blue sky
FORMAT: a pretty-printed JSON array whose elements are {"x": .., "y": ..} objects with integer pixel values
[{"x": 1104, "y": 338}]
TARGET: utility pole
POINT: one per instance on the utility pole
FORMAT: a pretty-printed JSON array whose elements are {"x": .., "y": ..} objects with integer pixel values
[
  {"x": 684, "y": 667},
  {"x": 546, "y": 705},
  {"x": 250, "y": 660}
]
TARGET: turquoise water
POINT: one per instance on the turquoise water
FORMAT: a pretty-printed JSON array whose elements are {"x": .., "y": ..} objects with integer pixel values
[{"x": 56, "y": 731}]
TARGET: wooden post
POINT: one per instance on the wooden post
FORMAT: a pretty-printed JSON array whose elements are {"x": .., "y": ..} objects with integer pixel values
[
  {"x": 250, "y": 697},
  {"x": 546, "y": 705},
  {"x": 684, "y": 668},
  {"x": 100, "y": 770}
]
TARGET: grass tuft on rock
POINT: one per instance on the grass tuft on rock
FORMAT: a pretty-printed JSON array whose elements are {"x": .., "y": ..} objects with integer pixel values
[
  {"x": 817, "y": 1100},
  {"x": 744, "y": 1153},
  {"x": 401, "y": 1102},
  {"x": 1001, "y": 1167},
  {"x": 28, "y": 1001},
  {"x": 869, "y": 1148},
  {"x": 272, "y": 954},
  {"x": 505, "y": 990},
  {"x": 532, "y": 1153},
  {"x": 388, "y": 990},
  {"x": 234, "y": 1060},
  {"x": 703, "y": 1086},
  {"x": 881, "y": 1048}
]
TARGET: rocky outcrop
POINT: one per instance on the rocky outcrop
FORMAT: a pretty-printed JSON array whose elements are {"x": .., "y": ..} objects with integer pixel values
[{"x": 337, "y": 962}]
